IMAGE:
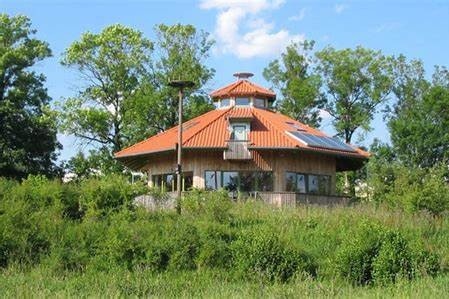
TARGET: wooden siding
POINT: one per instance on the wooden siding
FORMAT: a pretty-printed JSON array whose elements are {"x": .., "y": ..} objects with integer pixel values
[
  {"x": 237, "y": 150},
  {"x": 278, "y": 162}
]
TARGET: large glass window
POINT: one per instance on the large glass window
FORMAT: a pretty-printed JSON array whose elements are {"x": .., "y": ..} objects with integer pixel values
[
  {"x": 230, "y": 180},
  {"x": 212, "y": 180},
  {"x": 247, "y": 181},
  {"x": 242, "y": 101},
  {"x": 167, "y": 182},
  {"x": 290, "y": 180},
  {"x": 259, "y": 103},
  {"x": 243, "y": 181},
  {"x": 324, "y": 184},
  {"x": 301, "y": 183},
  {"x": 308, "y": 183},
  {"x": 187, "y": 181},
  {"x": 264, "y": 181}
]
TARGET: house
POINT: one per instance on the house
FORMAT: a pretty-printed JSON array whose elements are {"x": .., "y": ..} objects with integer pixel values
[{"x": 245, "y": 147}]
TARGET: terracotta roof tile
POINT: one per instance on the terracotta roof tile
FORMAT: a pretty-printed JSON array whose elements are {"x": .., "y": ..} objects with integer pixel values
[
  {"x": 242, "y": 88},
  {"x": 211, "y": 130}
]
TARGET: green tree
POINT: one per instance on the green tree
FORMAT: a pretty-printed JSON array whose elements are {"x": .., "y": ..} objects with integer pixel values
[
  {"x": 419, "y": 130},
  {"x": 298, "y": 85},
  {"x": 181, "y": 52},
  {"x": 355, "y": 82},
  {"x": 126, "y": 97},
  {"x": 113, "y": 64},
  {"x": 28, "y": 141},
  {"x": 418, "y": 118},
  {"x": 95, "y": 163}
]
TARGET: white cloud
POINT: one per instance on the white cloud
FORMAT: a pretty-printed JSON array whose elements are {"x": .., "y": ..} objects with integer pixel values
[
  {"x": 299, "y": 16},
  {"x": 241, "y": 31},
  {"x": 339, "y": 8}
]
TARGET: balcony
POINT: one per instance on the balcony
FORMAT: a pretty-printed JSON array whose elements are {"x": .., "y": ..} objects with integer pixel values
[{"x": 237, "y": 150}]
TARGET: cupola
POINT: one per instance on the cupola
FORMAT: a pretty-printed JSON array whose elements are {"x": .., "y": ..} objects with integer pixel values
[{"x": 243, "y": 93}]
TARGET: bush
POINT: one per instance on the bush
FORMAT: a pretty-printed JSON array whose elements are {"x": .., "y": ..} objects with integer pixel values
[
  {"x": 108, "y": 194},
  {"x": 263, "y": 254},
  {"x": 215, "y": 251},
  {"x": 213, "y": 205},
  {"x": 376, "y": 255}
]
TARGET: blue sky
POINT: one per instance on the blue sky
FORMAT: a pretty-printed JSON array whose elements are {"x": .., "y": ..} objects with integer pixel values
[{"x": 249, "y": 34}]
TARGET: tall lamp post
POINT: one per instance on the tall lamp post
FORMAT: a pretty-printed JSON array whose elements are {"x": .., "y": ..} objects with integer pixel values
[{"x": 181, "y": 85}]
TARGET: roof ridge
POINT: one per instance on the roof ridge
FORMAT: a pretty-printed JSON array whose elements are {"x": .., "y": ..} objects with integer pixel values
[{"x": 208, "y": 124}]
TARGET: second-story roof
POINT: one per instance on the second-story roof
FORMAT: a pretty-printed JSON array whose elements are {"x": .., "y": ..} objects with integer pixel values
[{"x": 243, "y": 88}]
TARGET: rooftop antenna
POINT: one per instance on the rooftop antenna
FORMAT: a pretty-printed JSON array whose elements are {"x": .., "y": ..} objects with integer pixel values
[{"x": 243, "y": 75}]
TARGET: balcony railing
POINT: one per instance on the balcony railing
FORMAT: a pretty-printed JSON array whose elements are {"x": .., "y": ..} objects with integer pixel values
[{"x": 237, "y": 150}]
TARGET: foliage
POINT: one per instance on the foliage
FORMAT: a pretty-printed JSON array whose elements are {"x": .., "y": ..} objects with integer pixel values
[
  {"x": 96, "y": 163},
  {"x": 418, "y": 131},
  {"x": 215, "y": 205},
  {"x": 253, "y": 245},
  {"x": 262, "y": 254},
  {"x": 114, "y": 64},
  {"x": 181, "y": 51},
  {"x": 299, "y": 86},
  {"x": 355, "y": 82},
  {"x": 381, "y": 256},
  {"x": 28, "y": 142},
  {"x": 410, "y": 188}
]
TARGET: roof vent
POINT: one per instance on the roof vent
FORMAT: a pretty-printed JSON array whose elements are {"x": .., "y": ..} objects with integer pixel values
[{"x": 243, "y": 75}]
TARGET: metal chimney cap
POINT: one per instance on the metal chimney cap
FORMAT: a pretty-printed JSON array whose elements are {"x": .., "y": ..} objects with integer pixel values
[{"x": 243, "y": 75}]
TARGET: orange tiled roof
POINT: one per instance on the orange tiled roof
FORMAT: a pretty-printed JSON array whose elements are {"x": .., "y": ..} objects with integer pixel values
[
  {"x": 211, "y": 130},
  {"x": 242, "y": 87}
]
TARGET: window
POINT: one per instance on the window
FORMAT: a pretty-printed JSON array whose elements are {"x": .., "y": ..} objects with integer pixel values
[
  {"x": 290, "y": 179},
  {"x": 225, "y": 102},
  {"x": 301, "y": 183},
  {"x": 242, "y": 101},
  {"x": 308, "y": 183},
  {"x": 187, "y": 181},
  {"x": 259, "y": 103},
  {"x": 313, "y": 184},
  {"x": 167, "y": 182},
  {"x": 230, "y": 180},
  {"x": 264, "y": 181},
  {"x": 239, "y": 132},
  {"x": 243, "y": 181},
  {"x": 212, "y": 180},
  {"x": 324, "y": 184}
]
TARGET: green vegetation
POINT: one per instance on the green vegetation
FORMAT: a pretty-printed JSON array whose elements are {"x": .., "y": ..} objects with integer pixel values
[{"x": 87, "y": 238}]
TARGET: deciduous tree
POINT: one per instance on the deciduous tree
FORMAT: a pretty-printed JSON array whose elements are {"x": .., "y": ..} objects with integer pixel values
[
  {"x": 355, "y": 82},
  {"x": 28, "y": 143},
  {"x": 299, "y": 86}
]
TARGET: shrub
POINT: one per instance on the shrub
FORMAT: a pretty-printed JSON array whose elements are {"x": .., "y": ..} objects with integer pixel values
[
  {"x": 376, "y": 255},
  {"x": 215, "y": 251},
  {"x": 213, "y": 205},
  {"x": 262, "y": 254},
  {"x": 184, "y": 244},
  {"x": 108, "y": 194}
]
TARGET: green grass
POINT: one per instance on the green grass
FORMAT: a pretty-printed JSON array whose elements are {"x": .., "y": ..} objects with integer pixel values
[
  {"x": 207, "y": 284},
  {"x": 70, "y": 241}
]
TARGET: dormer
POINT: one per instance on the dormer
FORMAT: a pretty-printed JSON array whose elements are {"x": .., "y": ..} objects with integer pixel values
[{"x": 243, "y": 93}]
